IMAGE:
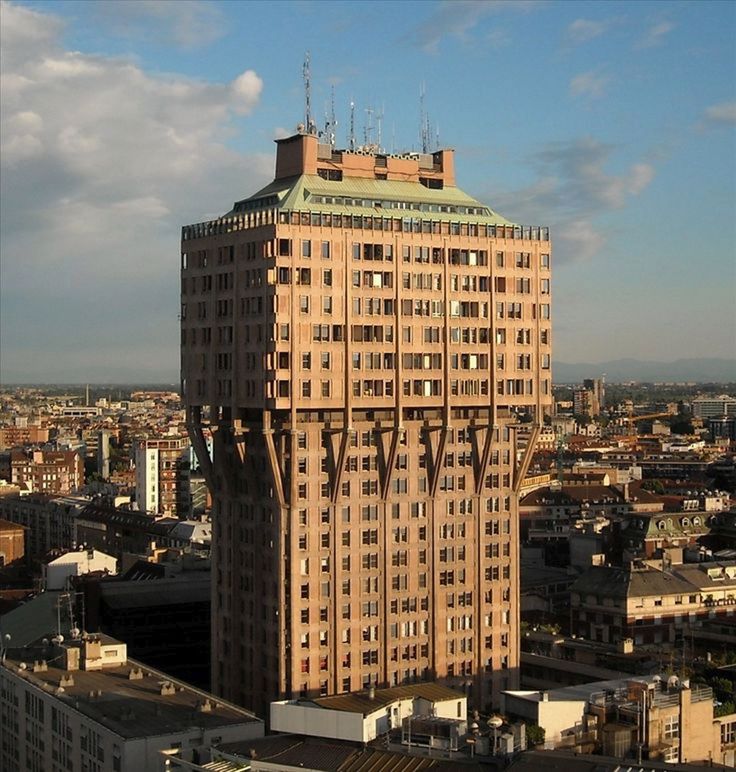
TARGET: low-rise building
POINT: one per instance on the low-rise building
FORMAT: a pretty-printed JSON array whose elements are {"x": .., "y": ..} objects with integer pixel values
[
  {"x": 364, "y": 716},
  {"x": 59, "y": 571}
]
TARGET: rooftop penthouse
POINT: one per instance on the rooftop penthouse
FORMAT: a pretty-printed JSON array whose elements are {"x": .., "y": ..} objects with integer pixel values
[{"x": 365, "y": 189}]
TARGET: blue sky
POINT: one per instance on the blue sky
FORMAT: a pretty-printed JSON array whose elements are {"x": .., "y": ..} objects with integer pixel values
[{"x": 614, "y": 123}]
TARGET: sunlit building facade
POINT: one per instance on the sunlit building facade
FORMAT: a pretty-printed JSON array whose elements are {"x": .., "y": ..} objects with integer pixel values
[{"x": 370, "y": 347}]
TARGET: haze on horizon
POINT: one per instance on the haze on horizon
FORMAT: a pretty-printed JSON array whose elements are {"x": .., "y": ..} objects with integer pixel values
[{"x": 613, "y": 123}]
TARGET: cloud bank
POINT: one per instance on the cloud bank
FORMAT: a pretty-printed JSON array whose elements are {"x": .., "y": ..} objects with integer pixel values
[
  {"x": 574, "y": 189},
  {"x": 102, "y": 163}
]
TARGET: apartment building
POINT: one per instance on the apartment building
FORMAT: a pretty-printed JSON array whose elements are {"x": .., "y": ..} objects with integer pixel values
[
  {"x": 360, "y": 336},
  {"x": 162, "y": 475},
  {"x": 650, "y": 604},
  {"x": 82, "y": 706},
  {"x": 47, "y": 471},
  {"x": 50, "y": 522},
  {"x": 646, "y": 719}
]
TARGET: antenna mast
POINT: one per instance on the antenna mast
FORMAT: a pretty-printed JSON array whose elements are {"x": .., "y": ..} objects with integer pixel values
[
  {"x": 308, "y": 121},
  {"x": 333, "y": 119},
  {"x": 423, "y": 120},
  {"x": 351, "y": 142},
  {"x": 368, "y": 129}
]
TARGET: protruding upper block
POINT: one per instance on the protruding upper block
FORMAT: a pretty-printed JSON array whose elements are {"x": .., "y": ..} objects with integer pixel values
[{"x": 304, "y": 154}]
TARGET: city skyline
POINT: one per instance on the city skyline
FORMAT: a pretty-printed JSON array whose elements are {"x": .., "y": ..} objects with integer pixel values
[{"x": 611, "y": 123}]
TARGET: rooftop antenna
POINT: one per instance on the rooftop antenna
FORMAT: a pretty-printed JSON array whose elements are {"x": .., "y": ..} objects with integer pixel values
[
  {"x": 309, "y": 125},
  {"x": 379, "y": 128},
  {"x": 351, "y": 141},
  {"x": 368, "y": 128},
  {"x": 437, "y": 136},
  {"x": 333, "y": 119},
  {"x": 423, "y": 120}
]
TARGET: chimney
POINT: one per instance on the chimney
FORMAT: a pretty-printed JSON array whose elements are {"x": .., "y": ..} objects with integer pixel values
[{"x": 371, "y": 692}]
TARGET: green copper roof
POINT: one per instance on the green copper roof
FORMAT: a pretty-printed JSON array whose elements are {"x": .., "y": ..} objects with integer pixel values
[{"x": 367, "y": 196}]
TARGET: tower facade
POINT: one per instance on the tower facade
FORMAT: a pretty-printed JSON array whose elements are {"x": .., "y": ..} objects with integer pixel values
[{"x": 361, "y": 337}]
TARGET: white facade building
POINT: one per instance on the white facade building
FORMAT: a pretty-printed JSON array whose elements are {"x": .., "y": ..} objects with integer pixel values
[
  {"x": 84, "y": 561},
  {"x": 146, "y": 478},
  {"x": 363, "y": 716}
]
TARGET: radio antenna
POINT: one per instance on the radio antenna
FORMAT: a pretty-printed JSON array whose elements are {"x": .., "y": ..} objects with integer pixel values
[
  {"x": 351, "y": 141},
  {"x": 309, "y": 126}
]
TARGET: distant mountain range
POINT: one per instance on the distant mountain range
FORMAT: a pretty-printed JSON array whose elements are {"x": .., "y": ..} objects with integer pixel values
[{"x": 622, "y": 370}]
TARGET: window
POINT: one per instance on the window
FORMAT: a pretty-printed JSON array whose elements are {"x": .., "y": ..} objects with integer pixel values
[
  {"x": 325, "y": 250},
  {"x": 671, "y": 727}
]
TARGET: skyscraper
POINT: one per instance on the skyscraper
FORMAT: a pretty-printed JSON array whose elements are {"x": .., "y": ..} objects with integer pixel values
[{"x": 363, "y": 339}]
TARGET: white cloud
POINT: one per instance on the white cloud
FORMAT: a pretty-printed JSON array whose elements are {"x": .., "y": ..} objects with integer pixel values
[
  {"x": 589, "y": 84},
  {"x": 723, "y": 113},
  {"x": 655, "y": 34},
  {"x": 185, "y": 23},
  {"x": 583, "y": 30},
  {"x": 458, "y": 18},
  {"x": 577, "y": 240},
  {"x": 246, "y": 90},
  {"x": 574, "y": 188},
  {"x": 102, "y": 163}
]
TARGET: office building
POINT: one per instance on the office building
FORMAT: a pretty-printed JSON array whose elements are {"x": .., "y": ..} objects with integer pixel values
[
  {"x": 360, "y": 336},
  {"x": 714, "y": 407}
]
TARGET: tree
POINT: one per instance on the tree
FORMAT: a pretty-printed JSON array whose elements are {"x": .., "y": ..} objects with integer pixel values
[
  {"x": 681, "y": 425},
  {"x": 534, "y": 735}
]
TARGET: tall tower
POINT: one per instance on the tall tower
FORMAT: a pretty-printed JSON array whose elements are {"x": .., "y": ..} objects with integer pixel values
[{"x": 361, "y": 337}]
